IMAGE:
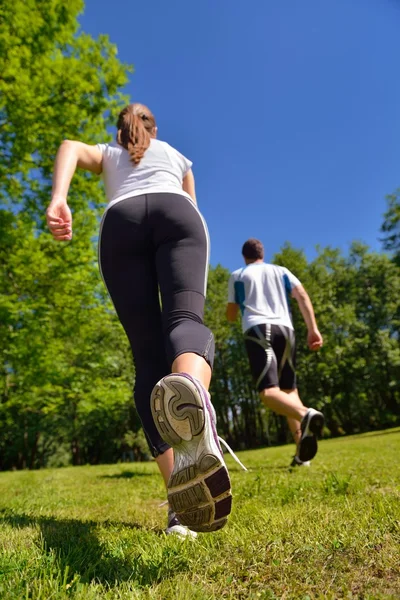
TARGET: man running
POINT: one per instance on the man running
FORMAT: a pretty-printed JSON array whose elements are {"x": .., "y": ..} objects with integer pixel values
[{"x": 262, "y": 292}]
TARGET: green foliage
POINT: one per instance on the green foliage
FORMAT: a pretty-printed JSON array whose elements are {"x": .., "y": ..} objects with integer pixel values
[
  {"x": 391, "y": 225},
  {"x": 327, "y": 532},
  {"x": 355, "y": 376},
  {"x": 354, "y": 379},
  {"x": 66, "y": 376},
  {"x": 66, "y": 373},
  {"x": 55, "y": 83}
]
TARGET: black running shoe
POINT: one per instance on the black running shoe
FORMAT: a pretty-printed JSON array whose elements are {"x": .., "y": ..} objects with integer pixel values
[{"x": 311, "y": 426}]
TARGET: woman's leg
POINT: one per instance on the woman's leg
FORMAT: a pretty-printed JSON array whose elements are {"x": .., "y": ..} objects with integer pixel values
[
  {"x": 199, "y": 489},
  {"x": 182, "y": 255},
  {"x": 195, "y": 365},
  {"x": 127, "y": 264},
  {"x": 165, "y": 462}
]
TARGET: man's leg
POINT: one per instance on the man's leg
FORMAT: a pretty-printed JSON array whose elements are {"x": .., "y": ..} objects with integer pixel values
[
  {"x": 295, "y": 429},
  {"x": 282, "y": 403},
  {"x": 286, "y": 356},
  {"x": 265, "y": 345},
  {"x": 270, "y": 350},
  {"x": 287, "y": 382},
  {"x": 267, "y": 350},
  {"x": 294, "y": 424}
]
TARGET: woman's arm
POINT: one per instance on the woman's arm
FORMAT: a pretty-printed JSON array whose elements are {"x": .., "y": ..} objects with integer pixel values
[
  {"x": 70, "y": 155},
  {"x": 188, "y": 185}
]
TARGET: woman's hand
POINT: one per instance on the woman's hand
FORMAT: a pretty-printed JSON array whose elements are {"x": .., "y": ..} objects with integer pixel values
[{"x": 59, "y": 220}]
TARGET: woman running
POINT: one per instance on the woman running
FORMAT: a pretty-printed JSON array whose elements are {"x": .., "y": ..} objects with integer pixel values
[{"x": 153, "y": 245}]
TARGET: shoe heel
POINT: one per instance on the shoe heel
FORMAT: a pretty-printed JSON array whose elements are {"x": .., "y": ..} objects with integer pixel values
[
  {"x": 188, "y": 498},
  {"x": 178, "y": 414},
  {"x": 218, "y": 482},
  {"x": 198, "y": 519}
]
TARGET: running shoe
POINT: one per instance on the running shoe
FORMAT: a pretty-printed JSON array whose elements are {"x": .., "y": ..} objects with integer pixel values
[
  {"x": 311, "y": 427},
  {"x": 296, "y": 462},
  {"x": 199, "y": 489},
  {"x": 175, "y": 527}
]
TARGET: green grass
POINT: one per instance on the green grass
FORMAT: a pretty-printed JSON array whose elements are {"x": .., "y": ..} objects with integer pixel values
[{"x": 331, "y": 531}]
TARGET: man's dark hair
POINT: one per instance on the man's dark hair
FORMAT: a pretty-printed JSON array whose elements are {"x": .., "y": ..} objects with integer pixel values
[{"x": 253, "y": 249}]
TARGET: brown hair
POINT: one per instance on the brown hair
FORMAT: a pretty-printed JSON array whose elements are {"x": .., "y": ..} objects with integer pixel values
[
  {"x": 253, "y": 249},
  {"x": 135, "y": 127}
]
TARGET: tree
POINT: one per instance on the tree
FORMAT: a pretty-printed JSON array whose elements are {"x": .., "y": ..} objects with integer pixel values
[
  {"x": 391, "y": 226},
  {"x": 353, "y": 379},
  {"x": 55, "y": 83},
  {"x": 66, "y": 374},
  {"x": 356, "y": 300}
]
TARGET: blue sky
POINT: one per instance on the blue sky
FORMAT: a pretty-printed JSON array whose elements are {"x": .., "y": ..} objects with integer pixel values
[{"x": 289, "y": 109}]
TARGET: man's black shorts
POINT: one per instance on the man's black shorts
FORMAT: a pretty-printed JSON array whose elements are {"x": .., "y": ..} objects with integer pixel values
[{"x": 272, "y": 356}]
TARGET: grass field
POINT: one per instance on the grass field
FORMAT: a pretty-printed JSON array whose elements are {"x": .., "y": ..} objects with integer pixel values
[{"x": 331, "y": 531}]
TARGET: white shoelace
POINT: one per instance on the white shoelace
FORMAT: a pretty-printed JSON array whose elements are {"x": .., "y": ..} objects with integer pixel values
[
  {"x": 221, "y": 440},
  {"x": 231, "y": 452}
]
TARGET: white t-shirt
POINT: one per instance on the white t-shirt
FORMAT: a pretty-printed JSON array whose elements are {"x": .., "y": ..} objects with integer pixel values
[
  {"x": 262, "y": 292},
  {"x": 161, "y": 169}
]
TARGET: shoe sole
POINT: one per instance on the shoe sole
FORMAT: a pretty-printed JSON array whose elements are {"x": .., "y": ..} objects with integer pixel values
[
  {"x": 308, "y": 446},
  {"x": 199, "y": 489}
]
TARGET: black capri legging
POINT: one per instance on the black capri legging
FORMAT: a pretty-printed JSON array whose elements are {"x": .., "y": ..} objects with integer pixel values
[{"x": 154, "y": 248}]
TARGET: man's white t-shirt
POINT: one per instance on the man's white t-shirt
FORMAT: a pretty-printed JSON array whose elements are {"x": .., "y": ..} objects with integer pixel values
[
  {"x": 262, "y": 292},
  {"x": 161, "y": 169}
]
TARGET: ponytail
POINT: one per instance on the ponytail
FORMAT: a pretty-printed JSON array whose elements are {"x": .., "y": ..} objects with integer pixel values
[{"x": 135, "y": 126}]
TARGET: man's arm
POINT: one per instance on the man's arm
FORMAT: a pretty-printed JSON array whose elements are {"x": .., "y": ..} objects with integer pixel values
[
  {"x": 314, "y": 337},
  {"x": 232, "y": 311}
]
